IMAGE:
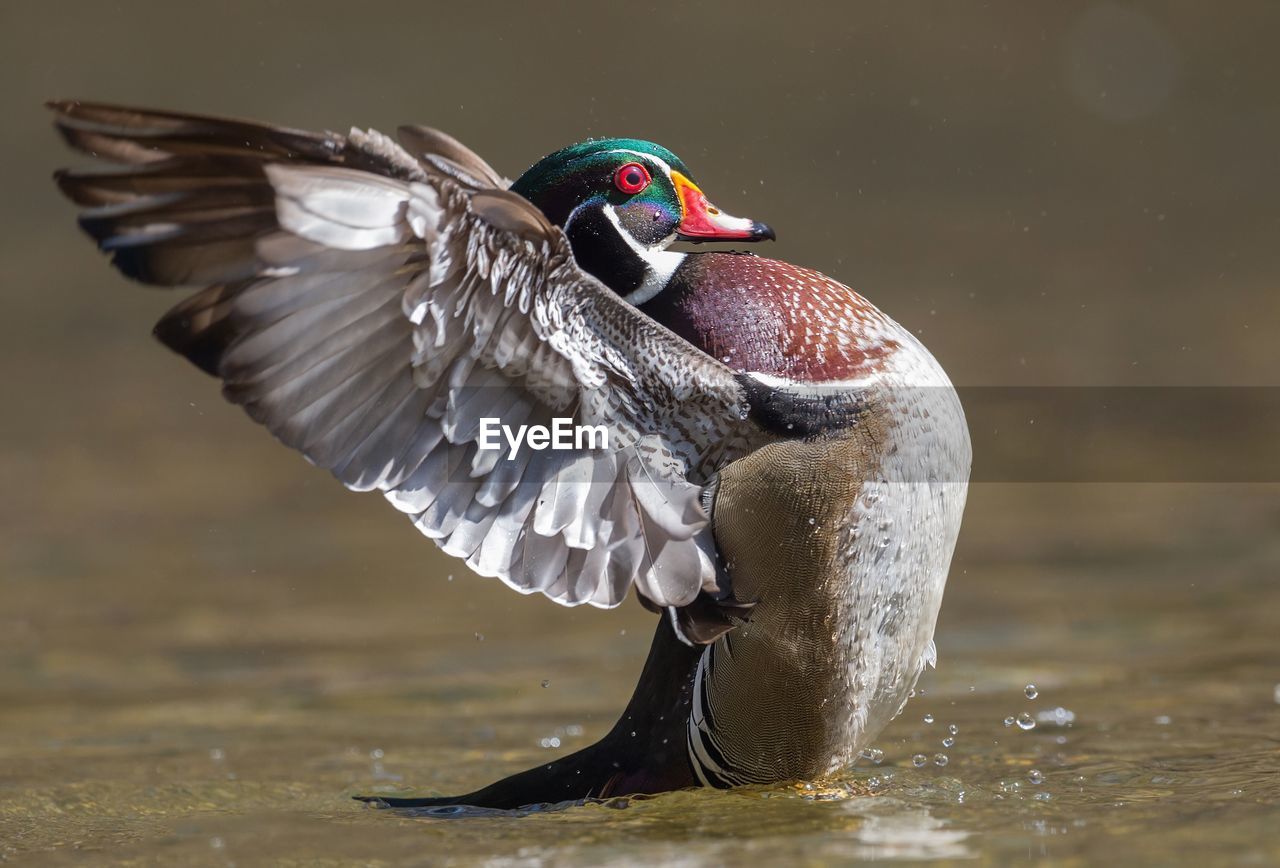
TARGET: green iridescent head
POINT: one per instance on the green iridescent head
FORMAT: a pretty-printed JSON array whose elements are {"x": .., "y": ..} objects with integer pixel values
[{"x": 645, "y": 186}]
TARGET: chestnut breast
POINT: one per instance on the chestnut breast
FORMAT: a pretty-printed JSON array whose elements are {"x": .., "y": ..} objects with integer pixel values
[{"x": 762, "y": 315}]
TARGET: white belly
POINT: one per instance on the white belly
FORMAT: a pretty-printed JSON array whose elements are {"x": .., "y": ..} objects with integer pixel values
[{"x": 898, "y": 550}]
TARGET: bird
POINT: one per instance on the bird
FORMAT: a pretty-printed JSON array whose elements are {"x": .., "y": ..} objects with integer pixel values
[{"x": 784, "y": 469}]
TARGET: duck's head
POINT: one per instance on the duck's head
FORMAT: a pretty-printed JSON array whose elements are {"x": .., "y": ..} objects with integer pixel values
[{"x": 622, "y": 202}]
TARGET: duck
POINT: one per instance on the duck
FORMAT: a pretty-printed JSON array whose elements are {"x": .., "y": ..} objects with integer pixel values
[{"x": 783, "y": 467}]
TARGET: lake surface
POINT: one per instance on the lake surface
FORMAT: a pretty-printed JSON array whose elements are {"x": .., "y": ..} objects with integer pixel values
[
  {"x": 210, "y": 681},
  {"x": 207, "y": 647}
]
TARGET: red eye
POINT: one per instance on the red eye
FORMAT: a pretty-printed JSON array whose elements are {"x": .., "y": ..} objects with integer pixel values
[{"x": 631, "y": 178}]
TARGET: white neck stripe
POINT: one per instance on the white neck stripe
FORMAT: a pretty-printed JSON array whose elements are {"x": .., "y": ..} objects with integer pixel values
[{"x": 659, "y": 264}]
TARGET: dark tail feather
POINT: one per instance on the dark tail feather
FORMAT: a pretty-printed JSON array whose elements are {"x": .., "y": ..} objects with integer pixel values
[{"x": 645, "y": 752}]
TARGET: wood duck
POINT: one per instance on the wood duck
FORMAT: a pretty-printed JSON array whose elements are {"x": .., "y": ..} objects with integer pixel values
[{"x": 785, "y": 466}]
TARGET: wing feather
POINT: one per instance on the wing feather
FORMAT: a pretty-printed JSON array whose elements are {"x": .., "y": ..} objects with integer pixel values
[{"x": 371, "y": 305}]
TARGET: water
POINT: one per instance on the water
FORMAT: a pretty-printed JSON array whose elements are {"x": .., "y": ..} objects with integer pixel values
[
  {"x": 206, "y": 648},
  {"x": 197, "y": 707}
]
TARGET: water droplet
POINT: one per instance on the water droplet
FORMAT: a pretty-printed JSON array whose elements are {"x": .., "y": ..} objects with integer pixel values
[
  {"x": 479, "y": 637},
  {"x": 1026, "y": 721},
  {"x": 551, "y": 741},
  {"x": 573, "y": 729},
  {"x": 1042, "y": 797},
  {"x": 940, "y": 759},
  {"x": 919, "y": 760},
  {"x": 874, "y": 754},
  {"x": 812, "y": 520},
  {"x": 1030, "y": 691},
  {"x": 1008, "y": 721},
  {"x": 546, "y": 682},
  {"x": 217, "y": 755},
  {"x": 449, "y": 578},
  {"x": 948, "y": 742},
  {"x": 1035, "y": 776},
  {"x": 1163, "y": 720},
  {"x": 376, "y": 753},
  {"x": 217, "y": 843},
  {"x": 953, "y": 729},
  {"x": 928, "y": 718}
]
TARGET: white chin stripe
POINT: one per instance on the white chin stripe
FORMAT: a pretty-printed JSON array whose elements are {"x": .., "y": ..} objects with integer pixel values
[
  {"x": 666, "y": 167},
  {"x": 660, "y": 264}
]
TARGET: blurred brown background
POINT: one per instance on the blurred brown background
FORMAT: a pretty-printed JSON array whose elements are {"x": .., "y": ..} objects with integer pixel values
[
  {"x": 1052, "y": 193},
  {"x": 1068, "y": 193}
]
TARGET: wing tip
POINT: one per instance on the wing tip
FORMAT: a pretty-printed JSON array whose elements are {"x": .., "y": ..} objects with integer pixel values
[
  {"x": 64, "y": 107},
  {"x": 82, "y": 111},
  {"x": 202, "y": 347}
]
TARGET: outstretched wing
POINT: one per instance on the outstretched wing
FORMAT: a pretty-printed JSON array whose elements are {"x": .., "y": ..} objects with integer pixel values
[{"x": 371, "y": 306}]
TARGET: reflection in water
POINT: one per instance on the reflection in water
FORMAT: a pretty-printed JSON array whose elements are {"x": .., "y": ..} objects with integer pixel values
[{"x": 910, "y": 833}]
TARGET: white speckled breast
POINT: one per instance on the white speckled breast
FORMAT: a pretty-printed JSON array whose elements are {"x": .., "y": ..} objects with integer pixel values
[{"x": 898, "y": 543}]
